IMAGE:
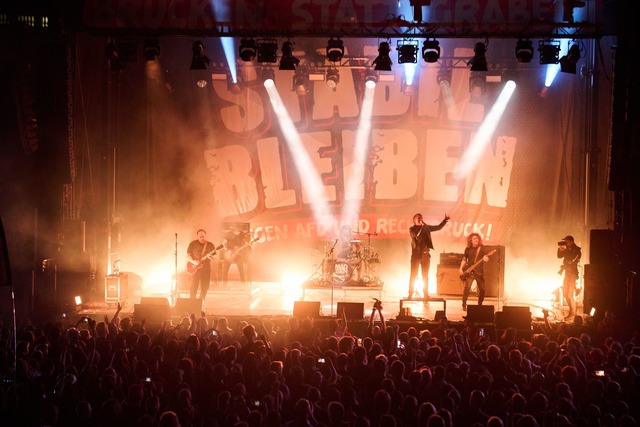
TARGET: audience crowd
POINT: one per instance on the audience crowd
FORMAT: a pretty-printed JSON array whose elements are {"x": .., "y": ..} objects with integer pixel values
[{"x": 205, "y": 371}]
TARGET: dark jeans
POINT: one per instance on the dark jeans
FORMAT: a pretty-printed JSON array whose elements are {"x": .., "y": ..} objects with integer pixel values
[
  {"x": 569, "y": 289},
  {"x": 467, "y": 288},
  {"x": 225, "y": 270},
  {"x": 201, "y": 279},
  {"x": 422, "y": 261}
]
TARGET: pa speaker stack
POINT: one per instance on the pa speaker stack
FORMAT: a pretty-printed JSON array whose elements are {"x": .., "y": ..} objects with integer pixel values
[{"x": 152, "y": 309}]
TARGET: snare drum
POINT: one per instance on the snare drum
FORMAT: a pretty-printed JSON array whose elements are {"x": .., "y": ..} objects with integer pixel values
[{"x": 342, "y": 272}]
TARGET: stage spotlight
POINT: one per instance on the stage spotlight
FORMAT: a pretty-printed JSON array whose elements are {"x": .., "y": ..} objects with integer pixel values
[
  {"x": 479, "y": 61},
  {"x": 301, "y": 83},
  {"x": 112, "y": 53},
  {"x": 431, "y": 50},
  {"x": 199, "y": 61},
  {"x": 549, "y": 51},
  {"x": 268, "y": 76},
  {"x": 333, "y": 78},
  {"x": 267, "y": 51},
  {"x": 569, "y": 61},
  {"x": 151, "y": 49},
  {"x": 248, "y": 50},
  {"x": 383, "y": 61},
  {"x": 567, "y": 9},
  {"x": 477, "y": 83},
  {"x": 407, "y": 51},
  {"x": 288, "y": 61},
  {"x": 335, "y": 50},
  {"x": 370, "y": 78},
  {"x": 444, "y": 75},
  {"x": 524, "y": 51}
]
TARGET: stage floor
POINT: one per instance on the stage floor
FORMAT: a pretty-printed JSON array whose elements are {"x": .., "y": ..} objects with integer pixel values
[{"x": 272, "y": 299}]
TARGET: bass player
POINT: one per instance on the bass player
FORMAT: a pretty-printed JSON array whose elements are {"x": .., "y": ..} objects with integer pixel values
[
  {"x": 237, "y": 248},
  {"x": 474, "y": 254},
  {"x": 199, "y": 253}
]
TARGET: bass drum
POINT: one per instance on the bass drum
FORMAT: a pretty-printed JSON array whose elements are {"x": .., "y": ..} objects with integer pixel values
[{"x": 342, "y": 272}]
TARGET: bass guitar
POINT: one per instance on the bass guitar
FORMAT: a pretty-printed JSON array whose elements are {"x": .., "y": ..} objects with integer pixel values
[
  {"x": 469, "y": 271},
  {"x": 231, "y": 255},
  {"x": 193, "y": 268}
]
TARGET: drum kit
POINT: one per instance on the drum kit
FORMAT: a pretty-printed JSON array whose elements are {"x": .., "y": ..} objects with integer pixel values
[{"x": 357, "y": 265}]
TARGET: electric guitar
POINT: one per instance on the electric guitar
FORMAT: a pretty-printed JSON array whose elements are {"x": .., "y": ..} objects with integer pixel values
[
  {"x": 469, "y": 271},
  {"x": 193, "y": 268},
  {"x": 231, "y": 255}
]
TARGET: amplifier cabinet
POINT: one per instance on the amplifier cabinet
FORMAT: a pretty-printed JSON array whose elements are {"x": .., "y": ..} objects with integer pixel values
[{"x": 449, "y": 282}]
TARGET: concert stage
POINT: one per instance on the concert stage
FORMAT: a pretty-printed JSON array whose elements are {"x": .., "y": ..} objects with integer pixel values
[{"x": 272, "y": 300}]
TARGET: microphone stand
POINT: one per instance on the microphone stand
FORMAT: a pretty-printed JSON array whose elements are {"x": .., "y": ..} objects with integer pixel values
[
  {"x": 331, "y": 255},
  {"x": 175, "y": 281}
]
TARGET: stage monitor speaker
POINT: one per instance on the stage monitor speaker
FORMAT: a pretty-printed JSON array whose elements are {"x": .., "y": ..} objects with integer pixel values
[
  {"x": 604, "y": 289},
  {"x": 152, "y": 313},
  {"x": 188, "y": 306},
  {"x": 155, "y": 301},
  {"x": 514, "y": 317},
  {"x": 601, "y": 247},
  {"x": 494, "y": 272},
  {"x": 480, "y": 313},
  {"x": 306, "y": 308},
  {"x": 449, "y": 280},
  {"x": 353, "y": 310}
]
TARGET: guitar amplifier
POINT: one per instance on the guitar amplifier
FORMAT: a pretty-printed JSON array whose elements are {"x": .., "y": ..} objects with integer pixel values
[
  {"x": 451, "y": 259},
  {"x": 449, "y": 280}
]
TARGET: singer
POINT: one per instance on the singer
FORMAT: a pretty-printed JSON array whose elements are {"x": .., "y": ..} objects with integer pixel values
[{"x": 420, "y": 257}]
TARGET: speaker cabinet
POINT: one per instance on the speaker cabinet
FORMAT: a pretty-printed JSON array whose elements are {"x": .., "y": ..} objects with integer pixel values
[
  {"x": 154, "y": 301},
  {"x": 449, "y": 280},
  {"x": 480, "y": 313},
  {"x": 188, "y": 306},
  {"x": 601, "y": 247},
  {"x": 306, "y": 308},
  {"x": 353, "y": 310},
  {"x": 604, "y": 288},
  {"x": 494, "y": 272},
  {"x": 514, "y": 317},
  {"x": 152, "y": 313}
]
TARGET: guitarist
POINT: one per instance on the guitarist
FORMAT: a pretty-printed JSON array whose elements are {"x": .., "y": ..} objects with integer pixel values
[
  {"x": 473, "y": 253},
  {"x": 570, "y": 254},
  {"x": 234, "y": 240},
  {"x": 197, "y": 256}
]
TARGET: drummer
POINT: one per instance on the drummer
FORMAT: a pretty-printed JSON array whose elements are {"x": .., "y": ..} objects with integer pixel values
[{"x": 348, "y": 249}]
